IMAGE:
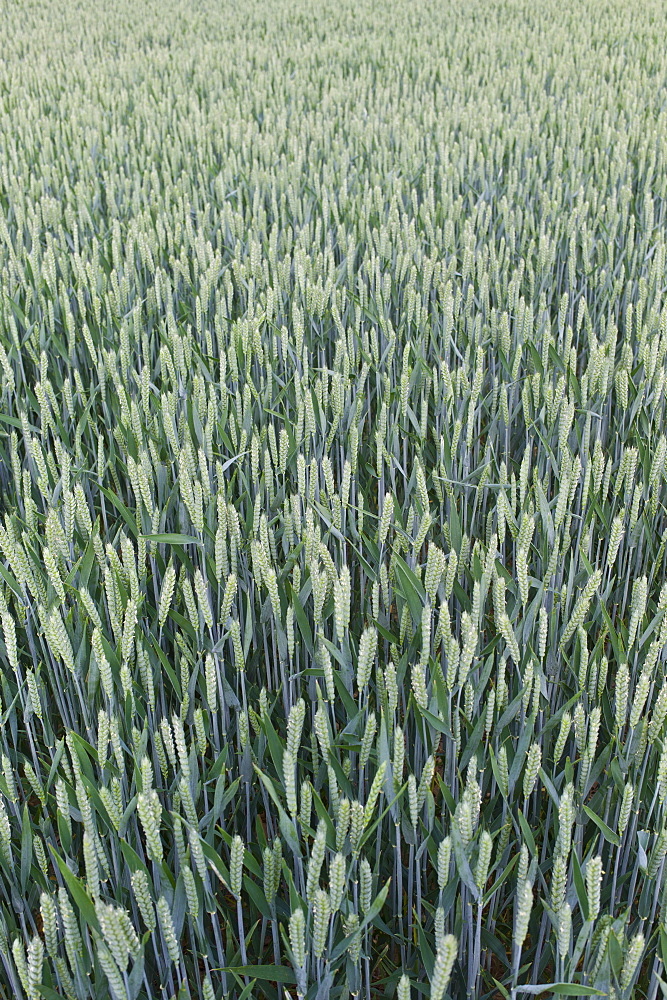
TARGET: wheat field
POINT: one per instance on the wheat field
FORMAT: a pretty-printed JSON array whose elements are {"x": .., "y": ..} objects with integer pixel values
[{"x": 333, "y": 482}]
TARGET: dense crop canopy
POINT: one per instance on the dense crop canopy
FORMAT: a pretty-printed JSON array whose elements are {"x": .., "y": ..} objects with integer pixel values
[{"x": 333, "y": 603}]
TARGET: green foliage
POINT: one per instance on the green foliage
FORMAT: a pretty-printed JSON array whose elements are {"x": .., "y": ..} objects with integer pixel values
[{"x": 333, "y": 603}]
